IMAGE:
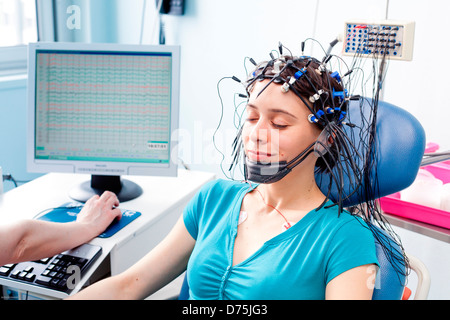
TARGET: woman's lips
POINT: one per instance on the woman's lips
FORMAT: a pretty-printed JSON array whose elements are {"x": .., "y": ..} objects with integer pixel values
[{"x": 258, "y": 155}]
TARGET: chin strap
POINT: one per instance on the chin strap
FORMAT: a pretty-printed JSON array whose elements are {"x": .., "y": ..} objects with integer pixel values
[{"x": 273, "y": 171}]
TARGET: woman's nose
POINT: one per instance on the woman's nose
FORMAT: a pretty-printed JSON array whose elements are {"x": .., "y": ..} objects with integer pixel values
[
  {"x": 259, "y": 133},
  {"x": 262, "y": 133}
]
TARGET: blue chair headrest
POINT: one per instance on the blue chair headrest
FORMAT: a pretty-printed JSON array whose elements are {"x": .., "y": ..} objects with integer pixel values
[{"x": 400, "y": 144}]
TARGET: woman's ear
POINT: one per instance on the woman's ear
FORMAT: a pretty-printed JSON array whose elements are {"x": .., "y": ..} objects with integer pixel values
[
  {"x": 331, "y": 138},
  {"x": 324, "y": 142}
]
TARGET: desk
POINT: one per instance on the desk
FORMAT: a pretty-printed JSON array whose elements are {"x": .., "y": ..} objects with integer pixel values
[
  {"x": 161, "y": 204},
  {"x": 425, "y": 229}
]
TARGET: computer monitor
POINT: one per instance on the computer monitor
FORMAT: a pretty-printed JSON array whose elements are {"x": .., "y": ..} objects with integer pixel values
[{"x": 103, "y": 109}]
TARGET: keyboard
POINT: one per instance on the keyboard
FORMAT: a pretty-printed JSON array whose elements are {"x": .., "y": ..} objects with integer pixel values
[{"x": 61, "y": 272}]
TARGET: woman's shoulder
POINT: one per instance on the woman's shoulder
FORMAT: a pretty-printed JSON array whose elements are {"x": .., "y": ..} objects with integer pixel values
[
  {"x": 223, "y": 187},
  {"x": 344, "y": 219},
  {"x": 347, "y": 231}
]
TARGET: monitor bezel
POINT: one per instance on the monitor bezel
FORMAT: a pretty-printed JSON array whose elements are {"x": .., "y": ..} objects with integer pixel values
[{"x": 103, "y": 167}]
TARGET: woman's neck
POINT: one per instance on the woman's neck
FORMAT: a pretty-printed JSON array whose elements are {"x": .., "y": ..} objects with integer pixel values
[{"x": 297, "y": 190}]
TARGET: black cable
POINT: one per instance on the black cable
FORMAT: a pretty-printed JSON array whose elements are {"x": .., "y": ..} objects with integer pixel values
[{"x": 8, "y": 177}]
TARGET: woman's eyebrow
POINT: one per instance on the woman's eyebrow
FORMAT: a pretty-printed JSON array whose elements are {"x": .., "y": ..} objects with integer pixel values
[{"x": 274, "y": 110}]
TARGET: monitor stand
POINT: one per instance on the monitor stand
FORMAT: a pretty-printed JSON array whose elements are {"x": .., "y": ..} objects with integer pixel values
[{"x": 124, "y": 189}]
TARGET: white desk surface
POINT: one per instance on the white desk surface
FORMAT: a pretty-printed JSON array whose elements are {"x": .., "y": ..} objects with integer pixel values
[
  {"x": 51, "y": 190},
  {"x": 161, "y": 195}
]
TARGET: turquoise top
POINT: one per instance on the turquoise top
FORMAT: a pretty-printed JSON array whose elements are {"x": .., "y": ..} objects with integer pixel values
[{"x": 296, "y": 264}]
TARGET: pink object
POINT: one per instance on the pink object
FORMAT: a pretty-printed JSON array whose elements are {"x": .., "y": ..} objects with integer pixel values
[
  {"x": 431, "y": 147},
  {"x": 440, "y": 170},
  {"x": 393, "y": 205}
]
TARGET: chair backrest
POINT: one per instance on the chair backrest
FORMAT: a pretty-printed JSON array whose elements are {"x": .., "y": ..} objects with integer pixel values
[{"x": 400, "y": 144}]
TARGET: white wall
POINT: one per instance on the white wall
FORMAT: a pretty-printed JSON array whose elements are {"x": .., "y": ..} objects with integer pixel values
[{"x": 421, "y": 86}]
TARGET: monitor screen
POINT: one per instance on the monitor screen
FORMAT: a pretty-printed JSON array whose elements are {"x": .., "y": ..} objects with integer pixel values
[{"x": 103, "y": 109}]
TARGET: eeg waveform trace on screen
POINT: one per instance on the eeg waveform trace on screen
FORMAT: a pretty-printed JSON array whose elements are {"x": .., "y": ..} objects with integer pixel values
[
  {"x": 106, "y": 110},
  {"x": 102, "y": 106}
]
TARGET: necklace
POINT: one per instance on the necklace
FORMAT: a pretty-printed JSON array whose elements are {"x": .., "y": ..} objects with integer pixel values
[{"x": 286, "y": 225}]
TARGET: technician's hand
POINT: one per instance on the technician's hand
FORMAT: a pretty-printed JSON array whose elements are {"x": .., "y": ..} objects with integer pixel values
[{"x": 99, "y": 212}]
